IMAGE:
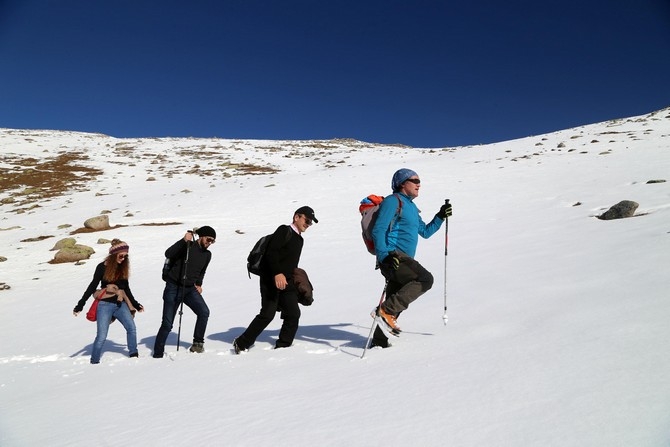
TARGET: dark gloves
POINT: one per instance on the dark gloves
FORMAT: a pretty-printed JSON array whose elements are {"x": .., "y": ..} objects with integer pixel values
[
  {"x": 392, "y": 261},
  {"x": 445, "y": 211},
  {"x": 80, "y": 305}
]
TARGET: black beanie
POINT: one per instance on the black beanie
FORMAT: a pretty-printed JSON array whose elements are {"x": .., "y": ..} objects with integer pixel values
[{"x": 206, "y": 231}]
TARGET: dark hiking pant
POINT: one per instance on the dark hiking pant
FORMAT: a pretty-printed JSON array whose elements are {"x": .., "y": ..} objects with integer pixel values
[
  {"x": 405, "y": 285},
  {"x": 272, "y": 301}
]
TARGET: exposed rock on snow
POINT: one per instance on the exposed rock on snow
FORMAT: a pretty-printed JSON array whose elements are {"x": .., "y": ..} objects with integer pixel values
[
  {"x": 98, "y": 223},
  {"x": 623, "y": 209}
]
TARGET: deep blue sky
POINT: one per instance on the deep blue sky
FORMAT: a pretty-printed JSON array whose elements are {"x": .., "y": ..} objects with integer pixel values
[{"x": 422, "y": 73}]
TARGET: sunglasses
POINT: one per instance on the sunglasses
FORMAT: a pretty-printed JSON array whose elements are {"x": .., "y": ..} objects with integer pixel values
[
  {"x": 416, "y": 181},
  {"x": 209, "y": 240},
  {"x": 308, "y": 221},
  {"x": 122, "y": 257}
]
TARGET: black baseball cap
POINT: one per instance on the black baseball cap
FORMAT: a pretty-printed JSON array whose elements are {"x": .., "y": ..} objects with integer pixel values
[{"x": 307, "y": 211}]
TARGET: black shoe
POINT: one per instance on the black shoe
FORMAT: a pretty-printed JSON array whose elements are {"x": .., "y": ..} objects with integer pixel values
[
  {"x": 380, "y": 343},
  {"x": 237, "y": 348},
  {"x": 157, "y": 355},
  {"x": 134, "y": 354}
]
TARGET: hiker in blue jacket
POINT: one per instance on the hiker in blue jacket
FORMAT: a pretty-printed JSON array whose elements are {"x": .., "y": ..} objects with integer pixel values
[{"x": 396, "y": 233}]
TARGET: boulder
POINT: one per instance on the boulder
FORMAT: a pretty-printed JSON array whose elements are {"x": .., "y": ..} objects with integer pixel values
[
  {"x": 67, "y": 242},
  {"x": 73, "y": 253},
  {"x": 623, "y": 209},
  {"x": 98, "y": 223}
]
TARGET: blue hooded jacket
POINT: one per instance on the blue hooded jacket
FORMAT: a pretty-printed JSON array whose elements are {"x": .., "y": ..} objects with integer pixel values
[{"x": 406, "y": 229}]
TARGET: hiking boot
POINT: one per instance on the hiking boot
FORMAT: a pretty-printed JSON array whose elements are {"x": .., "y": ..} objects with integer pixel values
[
  {"x": 382, "y": 325},
  {"x": 389, "y": 320},
  {"x": 198, "y": 347}
]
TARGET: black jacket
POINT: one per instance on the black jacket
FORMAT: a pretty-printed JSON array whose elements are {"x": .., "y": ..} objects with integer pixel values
[
  {"x": 97, "y": 279},
  {"x": 282, "y": 254},
  {"x": 198, "y": 260}
]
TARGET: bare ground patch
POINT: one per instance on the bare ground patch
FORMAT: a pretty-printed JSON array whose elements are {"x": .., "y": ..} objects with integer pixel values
[
  {"x": 151, "y": 224},
  {"x": 30, "y": 181}
]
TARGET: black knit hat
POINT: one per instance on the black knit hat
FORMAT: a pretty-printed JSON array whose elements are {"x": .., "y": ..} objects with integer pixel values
[{"x": 206, "y": 231}]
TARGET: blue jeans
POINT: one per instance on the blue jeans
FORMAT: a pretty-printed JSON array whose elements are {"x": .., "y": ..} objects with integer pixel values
[
  {"x": 171, "y": 303},
  {"x": 104, "y": 318}
]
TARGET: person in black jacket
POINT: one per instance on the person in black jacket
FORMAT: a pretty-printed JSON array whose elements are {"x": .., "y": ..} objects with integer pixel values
[
  {"x": 278, "y": 291},
  {"x": 112, "y": 275},
  {"x": 190, "y": 282}
]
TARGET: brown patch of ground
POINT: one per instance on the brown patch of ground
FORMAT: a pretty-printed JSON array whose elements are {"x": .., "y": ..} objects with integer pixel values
[
  {"x": 160, "y": 224},
  {"x": 36, "y": 239},
  {"x": 31, "y": 180},
  {"x": 91, "y": 230},
  {"x": 152, "y": 224}
]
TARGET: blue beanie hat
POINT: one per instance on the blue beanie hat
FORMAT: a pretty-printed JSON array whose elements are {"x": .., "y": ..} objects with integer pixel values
[{"x": 400, "y": 177}]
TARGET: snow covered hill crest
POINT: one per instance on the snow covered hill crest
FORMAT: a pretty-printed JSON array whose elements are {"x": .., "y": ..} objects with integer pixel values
[{"x": 557, "y": 322}]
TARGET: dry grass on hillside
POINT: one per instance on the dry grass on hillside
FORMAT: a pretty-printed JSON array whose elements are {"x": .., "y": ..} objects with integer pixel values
[{"x": 29, "y": 181}]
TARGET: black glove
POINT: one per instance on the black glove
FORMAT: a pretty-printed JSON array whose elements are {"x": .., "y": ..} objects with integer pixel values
[
  {"x": 445, "y": 211},
  {"x": 392, "y": 261},
  {"x": 80, "y": 305}
]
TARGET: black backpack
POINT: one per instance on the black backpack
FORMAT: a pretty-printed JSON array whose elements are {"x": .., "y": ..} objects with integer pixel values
[
  {"x": 169, "y": 262},
  {"x": 255, "y": 257},
  {"x": 167, "y": 265}
]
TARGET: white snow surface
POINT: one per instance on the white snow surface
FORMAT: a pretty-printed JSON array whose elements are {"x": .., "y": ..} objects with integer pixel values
[{"x": 558, "y": 322}]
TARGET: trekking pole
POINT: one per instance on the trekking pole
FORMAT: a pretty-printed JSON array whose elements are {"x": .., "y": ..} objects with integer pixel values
[
  {"x": 374, "y": 321},
  {"x": 183, "y": 288},
  {"x": 446, "y": 244}
]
